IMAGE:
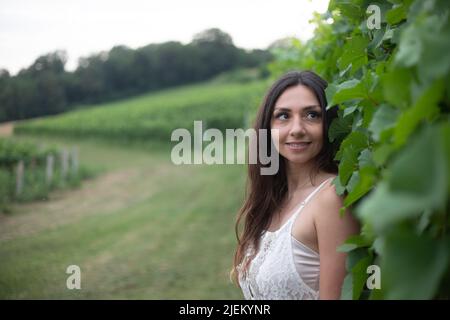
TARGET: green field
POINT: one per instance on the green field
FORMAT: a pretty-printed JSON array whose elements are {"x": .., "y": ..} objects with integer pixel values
[
  {"x": 154, "y": 116},
  {"x": 143, "y": 228}
]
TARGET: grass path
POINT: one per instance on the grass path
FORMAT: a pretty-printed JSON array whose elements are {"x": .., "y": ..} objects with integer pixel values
[{"x": 143, "y": 229}]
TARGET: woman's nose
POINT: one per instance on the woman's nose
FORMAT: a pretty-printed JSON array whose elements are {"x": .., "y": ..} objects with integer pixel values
[{"x": 297, "y": 127}]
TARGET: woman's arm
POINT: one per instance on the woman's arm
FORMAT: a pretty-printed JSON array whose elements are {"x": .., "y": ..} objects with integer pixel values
[{"x": 332, "y": 230}]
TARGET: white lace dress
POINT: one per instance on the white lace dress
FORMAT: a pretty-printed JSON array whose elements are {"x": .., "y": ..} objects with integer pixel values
[{"x": 272, "y": 274}]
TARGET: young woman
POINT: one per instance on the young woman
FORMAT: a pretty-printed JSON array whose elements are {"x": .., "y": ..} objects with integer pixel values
[{"x": 292, "y": 226}]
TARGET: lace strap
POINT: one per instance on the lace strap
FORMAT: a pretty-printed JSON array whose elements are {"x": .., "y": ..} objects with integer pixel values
[
  {"x": 297, "y": 211},
  {"x": 304, "y": 202},
  {"x": 315, "y": 191}
]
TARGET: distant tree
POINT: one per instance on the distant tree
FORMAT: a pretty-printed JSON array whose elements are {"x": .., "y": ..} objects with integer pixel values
[
  {"x": 4, "y": 74},
  {"x": 284, "y": 43},
  {"x": 216, "y": 51},
  {"x": 46, "y": 88},
  {"x": 6, "y": 95},
  {"x": 214, "y": 35},
  {"x": 53, "y": 62},
  {"x": 91, "y": 82},
  {"x": 118, "y": 69},
  {"x": 38, "y": 89}
]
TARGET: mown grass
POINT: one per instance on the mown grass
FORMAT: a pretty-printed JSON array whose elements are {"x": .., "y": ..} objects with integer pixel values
[{"x": 168, "y": 234}]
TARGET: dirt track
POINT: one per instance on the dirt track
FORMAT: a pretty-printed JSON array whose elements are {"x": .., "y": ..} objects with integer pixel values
[{"x": 6, "y": 129}]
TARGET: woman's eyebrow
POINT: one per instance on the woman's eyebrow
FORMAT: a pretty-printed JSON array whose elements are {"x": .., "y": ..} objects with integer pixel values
[{"x": 303, "y": 108}]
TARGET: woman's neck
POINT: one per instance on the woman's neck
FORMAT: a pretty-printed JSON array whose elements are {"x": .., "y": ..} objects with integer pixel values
[{"x": 299, "y": 177}]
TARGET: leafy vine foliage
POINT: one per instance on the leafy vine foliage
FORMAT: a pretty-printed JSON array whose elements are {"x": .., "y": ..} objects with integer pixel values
[{"x": 391, "y": 85}]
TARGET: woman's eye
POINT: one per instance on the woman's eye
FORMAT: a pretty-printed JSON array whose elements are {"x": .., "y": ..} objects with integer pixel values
[
  {"x": 313, "y": 115},
  {"x": 281, "y": 116}
]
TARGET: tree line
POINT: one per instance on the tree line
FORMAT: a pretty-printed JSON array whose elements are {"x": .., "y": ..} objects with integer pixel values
[{"x": 46, "y": 88}]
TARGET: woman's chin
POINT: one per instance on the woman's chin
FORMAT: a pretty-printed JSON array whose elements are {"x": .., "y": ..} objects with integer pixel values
[{"x": 295, "y": 159}]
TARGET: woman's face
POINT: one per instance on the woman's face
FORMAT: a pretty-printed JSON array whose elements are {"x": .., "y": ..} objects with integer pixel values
[{"x": 298, "y": 117}]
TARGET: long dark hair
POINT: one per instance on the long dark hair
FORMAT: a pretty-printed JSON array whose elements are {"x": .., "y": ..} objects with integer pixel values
[{"x": 264, "y": 193}]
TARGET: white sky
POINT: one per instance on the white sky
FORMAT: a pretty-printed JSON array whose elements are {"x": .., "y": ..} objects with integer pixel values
[{"x": 30, "y": 28}]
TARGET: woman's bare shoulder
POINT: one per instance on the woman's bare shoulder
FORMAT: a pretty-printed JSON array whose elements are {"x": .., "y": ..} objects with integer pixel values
[
  {"x": 328, "y": 214},
  {"x": 327, "y": 198}
]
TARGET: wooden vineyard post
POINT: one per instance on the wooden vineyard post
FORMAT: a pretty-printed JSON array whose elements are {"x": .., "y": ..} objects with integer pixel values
[
  {"x": 74, "y": 161},
  {"x": 49, "y": 169},
  {"x": 64, "y": 164},
  {"x": 20, "y": 177}
]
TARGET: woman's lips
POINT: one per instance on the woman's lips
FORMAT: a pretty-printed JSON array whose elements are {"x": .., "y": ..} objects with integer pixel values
[{"x": 298, "y": 145}]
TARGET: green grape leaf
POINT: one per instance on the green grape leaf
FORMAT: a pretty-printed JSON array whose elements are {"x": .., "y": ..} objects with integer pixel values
[
  {"x": 349, "y": 90},
  {"x": 398, "y": 13},
  {"x": 382, "y": 152},
  {"x": 364, "y": 183},
  {"x": 356, "y": 140},
  {"x": 359, "y": 272},
  {"x": 347, "y": 164},
  {"x": 347, "y": 287},
  {"x": 410, "y": 47},
  {"x": 417, "y": 181},
  {"x": 396, "y": 87},
  {"x": 340, "y": 189},
  {"x": 365, "y": 159},
  {"x": 353, "y": 242},
  {"x": 354, "y": 53},
  {"x": 384, "y": 118},
  {"x": 413, "y": 265},
  {"x": 339, "y": 128},
  {"x": 425, "y": 108}
]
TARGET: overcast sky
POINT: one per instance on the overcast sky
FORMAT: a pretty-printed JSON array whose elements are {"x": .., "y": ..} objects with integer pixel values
[{"x": 30, "y": 28}]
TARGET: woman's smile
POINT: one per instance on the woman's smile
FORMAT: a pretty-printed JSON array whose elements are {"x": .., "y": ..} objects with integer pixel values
[{"x": 298, "y": 146}]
